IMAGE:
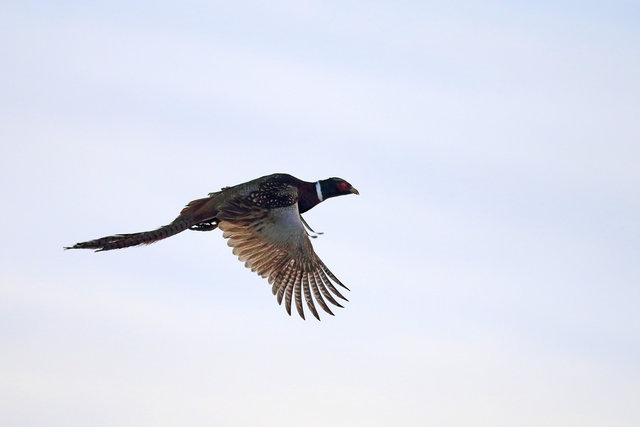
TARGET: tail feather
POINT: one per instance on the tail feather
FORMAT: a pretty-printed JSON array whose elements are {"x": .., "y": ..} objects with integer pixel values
[
  {"x": 119, "y": 241},
  {"x": 196, "y": 212}
]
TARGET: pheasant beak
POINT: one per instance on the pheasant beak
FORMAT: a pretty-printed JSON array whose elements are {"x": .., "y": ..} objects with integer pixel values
[{"x": 354, "y": 191}]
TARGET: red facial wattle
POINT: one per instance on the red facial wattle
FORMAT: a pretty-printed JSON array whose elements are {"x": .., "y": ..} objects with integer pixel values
[{"x": 344, "y": 187}]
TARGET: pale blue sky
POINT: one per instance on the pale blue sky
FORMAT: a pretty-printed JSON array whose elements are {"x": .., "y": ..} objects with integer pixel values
[{"x": 492, "y": 254}]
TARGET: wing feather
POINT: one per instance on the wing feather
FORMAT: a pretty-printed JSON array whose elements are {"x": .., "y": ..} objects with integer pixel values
[
  {"x": 274, "y": 244},
  {"x": 279, "y": 285},
  {"x": 291, "y": 286},
  {"x": 316, "y": 292},
  {"x": 297, "y": 291},
  {"x": 329, "y": 285},
  {"x": 307, "y": 293},
  {"x": 324, "y": 290}
]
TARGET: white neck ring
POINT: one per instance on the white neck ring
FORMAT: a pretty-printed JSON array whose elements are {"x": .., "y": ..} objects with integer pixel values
[{"x": 319, "y": 191}]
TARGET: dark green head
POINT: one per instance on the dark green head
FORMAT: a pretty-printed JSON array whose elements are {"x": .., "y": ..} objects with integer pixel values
[{"x": 332, "y": 187}]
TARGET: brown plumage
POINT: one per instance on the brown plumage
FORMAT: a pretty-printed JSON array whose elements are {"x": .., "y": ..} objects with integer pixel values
[{"x": 262, "y": 220}]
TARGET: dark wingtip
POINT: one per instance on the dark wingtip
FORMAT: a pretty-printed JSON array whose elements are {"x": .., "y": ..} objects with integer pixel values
[{"x": 327, "y": 310}]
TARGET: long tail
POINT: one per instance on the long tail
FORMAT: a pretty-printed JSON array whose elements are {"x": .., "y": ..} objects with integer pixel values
[{"x": 196, "y": 212}]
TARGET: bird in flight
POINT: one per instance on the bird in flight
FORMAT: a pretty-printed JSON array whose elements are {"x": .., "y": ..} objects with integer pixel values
[{"x": 263, "y": 222}]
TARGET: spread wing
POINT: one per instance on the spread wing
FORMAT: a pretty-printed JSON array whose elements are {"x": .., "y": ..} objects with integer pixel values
[{"x": 274, "y": 244}]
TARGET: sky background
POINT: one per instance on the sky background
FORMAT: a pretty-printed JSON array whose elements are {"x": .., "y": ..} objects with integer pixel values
[{"x": 493, "y": 255}]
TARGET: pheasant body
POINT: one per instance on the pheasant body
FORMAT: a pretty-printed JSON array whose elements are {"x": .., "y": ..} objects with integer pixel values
[{"x": 262, "y": 220}]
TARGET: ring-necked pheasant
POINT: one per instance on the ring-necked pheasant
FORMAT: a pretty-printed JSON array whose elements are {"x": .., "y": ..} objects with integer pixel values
[{"x": 262, "y": 220}]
